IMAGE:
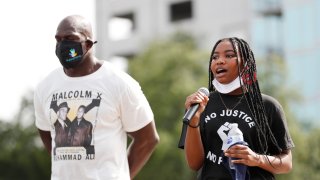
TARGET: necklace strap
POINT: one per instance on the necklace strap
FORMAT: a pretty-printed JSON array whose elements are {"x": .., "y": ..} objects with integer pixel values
[{"x": 236, "y": 104}]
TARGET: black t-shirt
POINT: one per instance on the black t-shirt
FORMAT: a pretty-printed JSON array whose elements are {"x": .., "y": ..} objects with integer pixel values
[{"x": 215, "y": 125}]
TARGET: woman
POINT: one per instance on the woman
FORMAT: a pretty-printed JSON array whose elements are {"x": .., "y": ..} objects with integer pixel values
[{"x": 235, "y": 101}]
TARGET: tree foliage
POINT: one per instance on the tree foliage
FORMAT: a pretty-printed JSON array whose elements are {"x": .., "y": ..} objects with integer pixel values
[
  {"x": 168, "y": 71},
  {"x": 22, "y": 154},
  {"x": 306, "y": 159}
]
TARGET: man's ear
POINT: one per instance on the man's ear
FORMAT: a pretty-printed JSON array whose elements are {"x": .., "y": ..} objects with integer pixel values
[{"x": 89, "y": 44}]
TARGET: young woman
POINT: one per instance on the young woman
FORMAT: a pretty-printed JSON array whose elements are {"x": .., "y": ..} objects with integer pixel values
[{"x": 235, "y": 104}]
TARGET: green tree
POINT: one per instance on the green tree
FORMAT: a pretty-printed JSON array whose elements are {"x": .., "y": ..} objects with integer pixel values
[
  {"x": 168, "y": 71},
  {"x": 22, "y": 154},
  {"x": 306, "y": 154}
]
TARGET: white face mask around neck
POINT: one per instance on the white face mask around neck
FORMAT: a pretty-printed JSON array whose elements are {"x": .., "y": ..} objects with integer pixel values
[{"x": 227, "y": 88}]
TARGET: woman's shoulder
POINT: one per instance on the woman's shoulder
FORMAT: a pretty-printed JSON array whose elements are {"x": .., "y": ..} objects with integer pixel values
[{"x": 270, "y": 102}]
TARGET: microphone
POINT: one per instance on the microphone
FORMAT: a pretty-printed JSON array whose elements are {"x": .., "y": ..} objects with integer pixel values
[{"x": 193, "y": 109}]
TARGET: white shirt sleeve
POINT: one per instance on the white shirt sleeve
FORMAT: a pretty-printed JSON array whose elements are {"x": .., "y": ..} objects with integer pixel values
[
  {"x": 135, "y": 109},
  {"x": 40, "y": 121}
]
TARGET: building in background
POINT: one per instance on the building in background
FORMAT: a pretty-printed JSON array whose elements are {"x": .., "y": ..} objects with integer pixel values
[
  {"x": 125, "y": 27},
  {"x": 267, "y": 27},
  {"x": 289, "y": 28},
  {"x": 301, "y": 27}
]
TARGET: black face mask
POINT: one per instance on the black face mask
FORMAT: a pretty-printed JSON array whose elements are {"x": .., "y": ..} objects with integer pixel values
[{"x": 69, "y": 53}]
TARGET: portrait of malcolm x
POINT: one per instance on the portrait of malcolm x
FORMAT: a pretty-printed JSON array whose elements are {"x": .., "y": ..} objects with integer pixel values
[
  {"x": 62, "y": 125},
  {"x": 77, "y": 132}
]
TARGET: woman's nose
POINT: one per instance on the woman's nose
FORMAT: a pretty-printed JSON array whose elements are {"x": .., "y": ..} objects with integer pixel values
[{"x": 221, "y": 61}]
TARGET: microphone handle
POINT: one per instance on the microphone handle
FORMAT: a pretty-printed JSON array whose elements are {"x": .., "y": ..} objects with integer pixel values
[{"x": 190, "y": 113}]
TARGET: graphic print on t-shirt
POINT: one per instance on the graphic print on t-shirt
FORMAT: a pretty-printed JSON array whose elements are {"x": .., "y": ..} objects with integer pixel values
[
  {"x": 225, "y": 133},
  {"x": 221, "y": 122},
  {"x": 73, "y": 115}
]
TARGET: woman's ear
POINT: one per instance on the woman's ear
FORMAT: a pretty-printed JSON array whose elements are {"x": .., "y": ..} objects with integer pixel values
[{"x": 240, "y": 62}]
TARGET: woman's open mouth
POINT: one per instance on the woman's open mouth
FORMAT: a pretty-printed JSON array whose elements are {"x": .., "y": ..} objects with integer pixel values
[{"x": 220, "y": 72}]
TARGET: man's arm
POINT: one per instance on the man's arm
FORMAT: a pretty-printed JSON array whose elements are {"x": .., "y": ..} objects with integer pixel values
[
  {"x": 142, "y": 145},
  {"x": 46, "y": 139}
]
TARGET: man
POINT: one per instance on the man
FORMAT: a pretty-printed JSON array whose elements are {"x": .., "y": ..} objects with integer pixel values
[
  {"x": 80, "y": 130},
  {"x": 123, "y": 110},
  {"x": 62, "y": 126}
]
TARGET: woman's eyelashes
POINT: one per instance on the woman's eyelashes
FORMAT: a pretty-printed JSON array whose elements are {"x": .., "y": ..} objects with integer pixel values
[{"x": 227, "y": 56}]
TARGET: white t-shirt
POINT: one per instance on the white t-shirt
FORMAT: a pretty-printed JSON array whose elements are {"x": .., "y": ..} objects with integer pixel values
[{"x": 114, "y": 104}]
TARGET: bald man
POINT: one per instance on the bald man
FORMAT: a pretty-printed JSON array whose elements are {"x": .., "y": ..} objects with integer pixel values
[{"x": 123, "y": 110}]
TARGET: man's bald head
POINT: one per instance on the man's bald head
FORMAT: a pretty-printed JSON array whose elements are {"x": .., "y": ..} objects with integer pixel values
[{"x": 75, "y": 24}]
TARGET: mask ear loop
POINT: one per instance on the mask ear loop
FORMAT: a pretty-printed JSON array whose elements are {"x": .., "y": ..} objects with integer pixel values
[
  {"x": 244, "y": 66},
  {"x": 91, "y": 44}
]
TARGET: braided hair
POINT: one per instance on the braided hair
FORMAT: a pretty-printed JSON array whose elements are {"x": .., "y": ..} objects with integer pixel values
[{"x": 249, "y": 84}]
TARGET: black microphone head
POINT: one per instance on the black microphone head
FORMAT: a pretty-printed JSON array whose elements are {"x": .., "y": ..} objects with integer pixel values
[{"x": 204, "y": 91}]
